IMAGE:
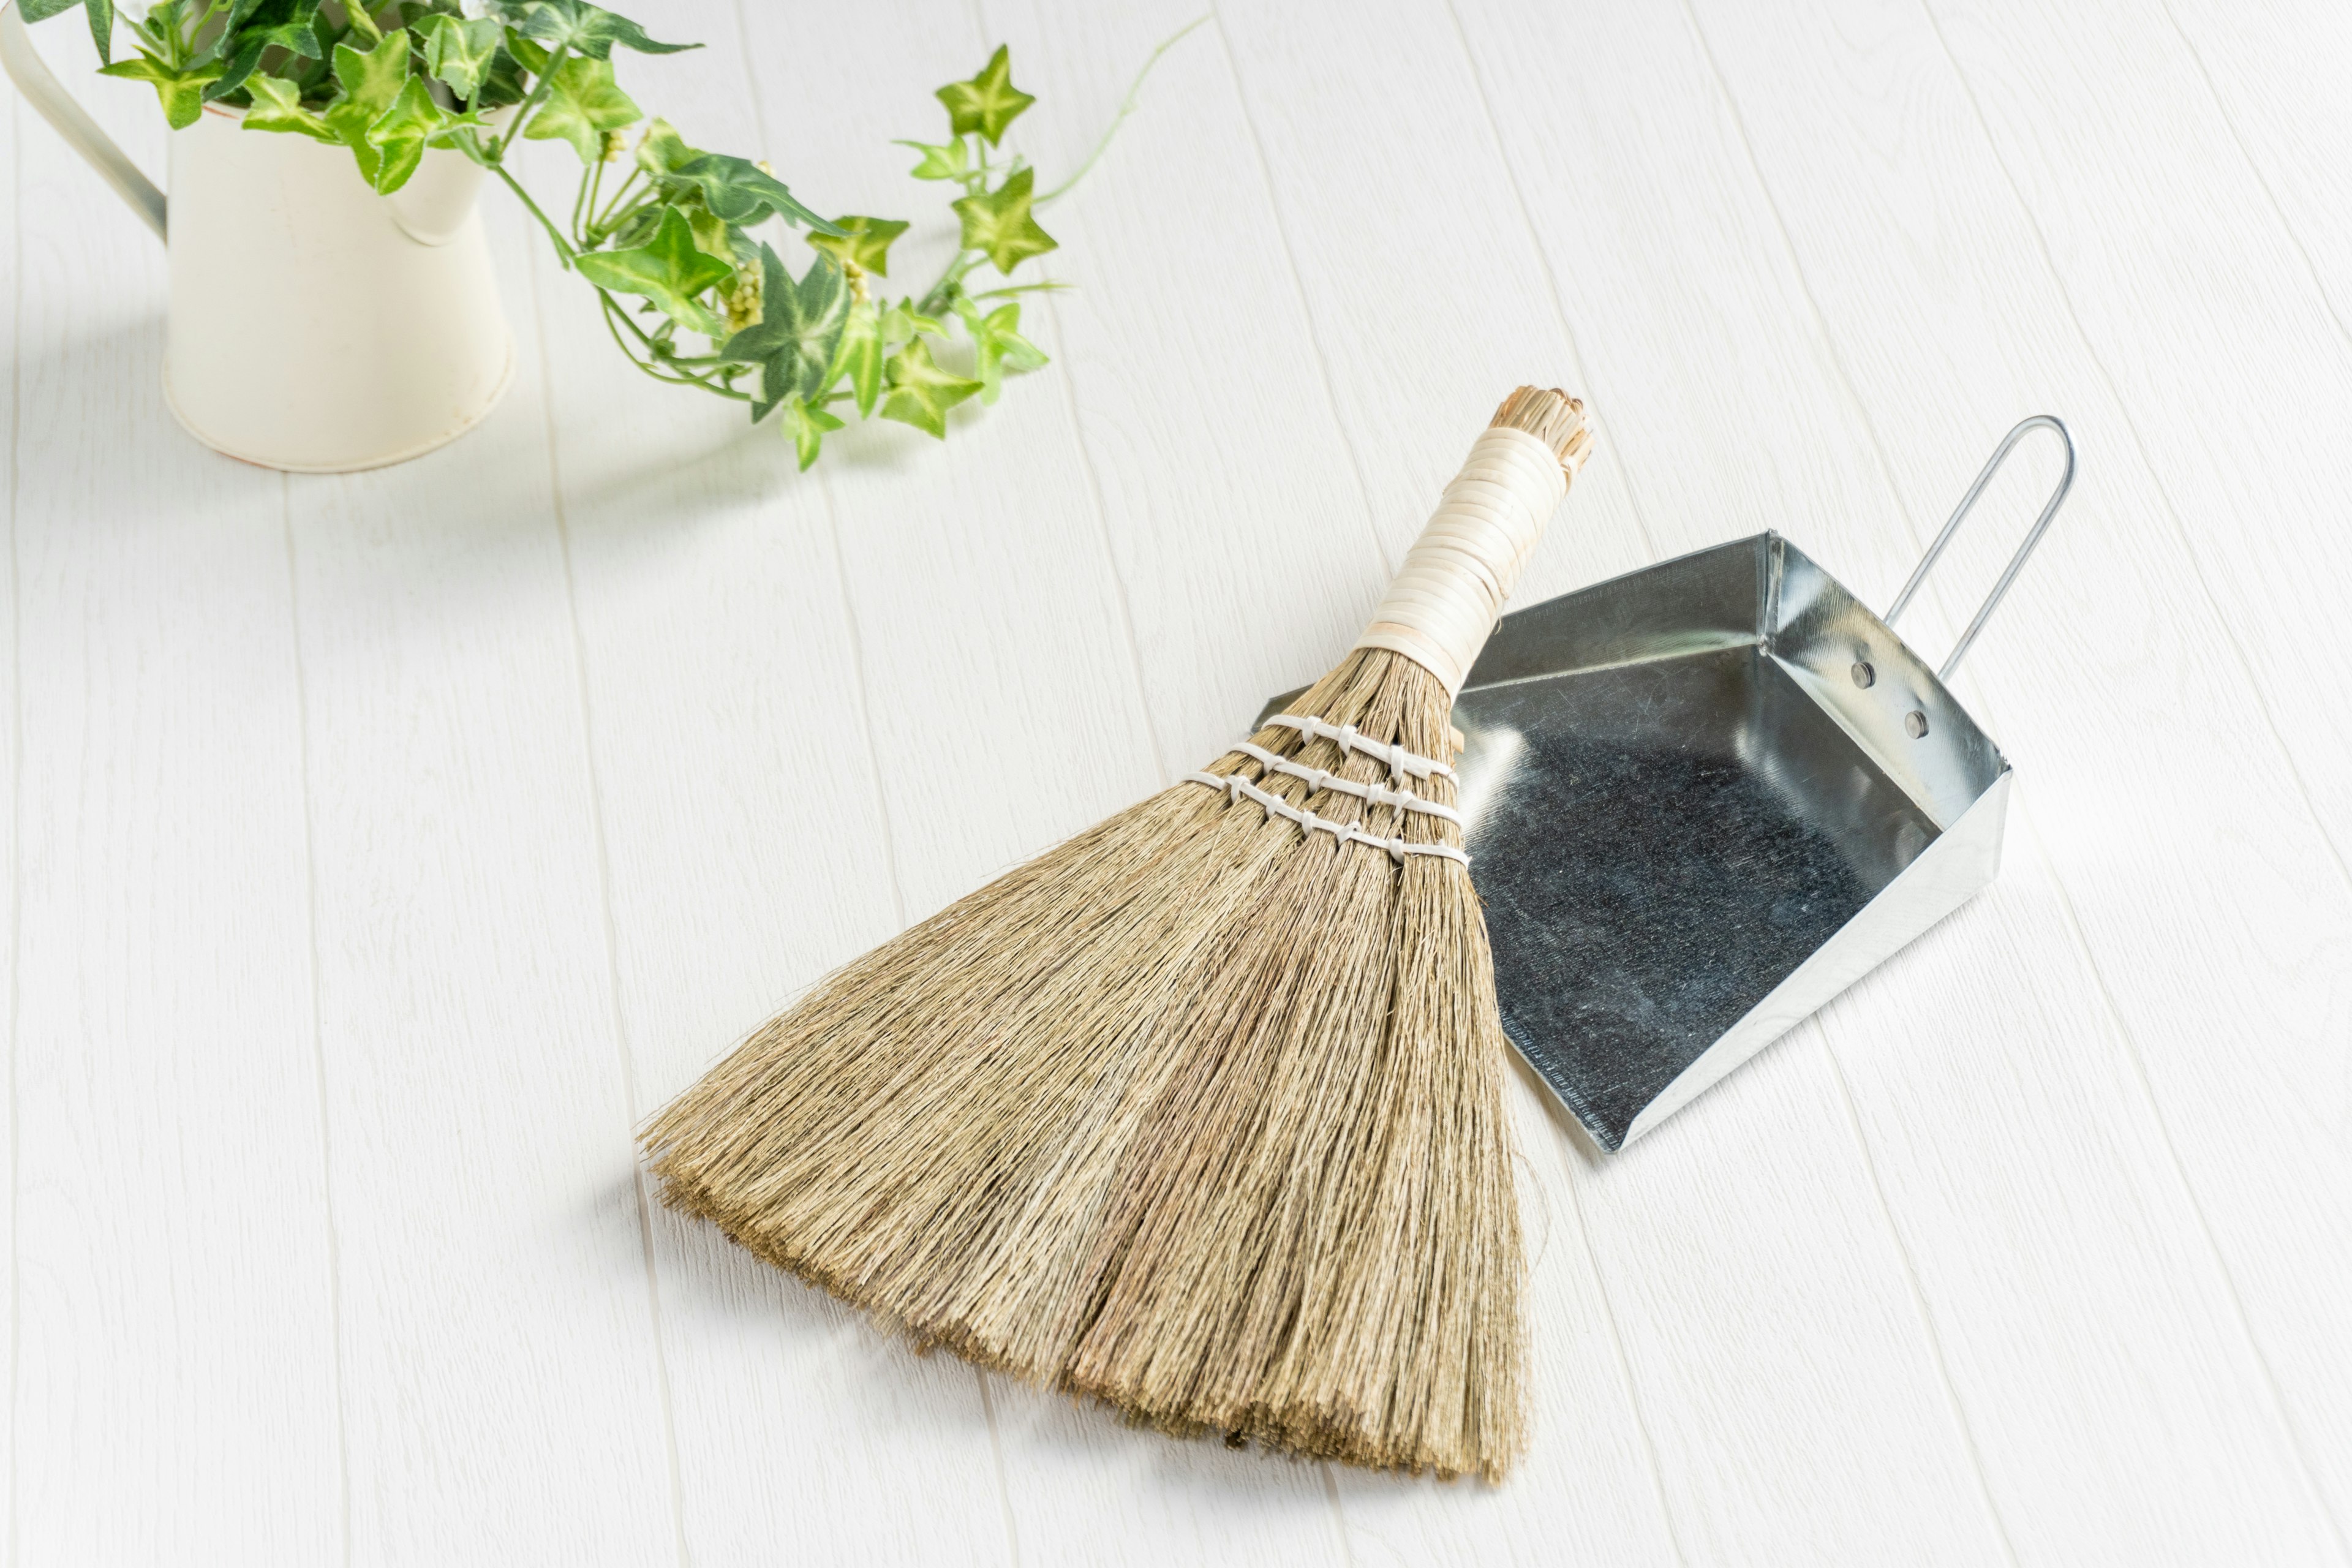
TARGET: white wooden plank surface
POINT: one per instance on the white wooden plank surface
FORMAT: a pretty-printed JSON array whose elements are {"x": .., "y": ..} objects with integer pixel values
[
  {"x": 502, "y": 1348},
  {"x": 384, "y": 847},
  {"x": 1353, "y": 182},
  {"x": 715, "y": 637},
  {"x": 174, "y": 1376},
  {"x": 1673, "y": 249},
  {"x": 2141, "y": 1306},
  {"x": 11, "y": 271},
  {"x": 1023, "y": 543},
  {"x": 2255, "y": 497}
]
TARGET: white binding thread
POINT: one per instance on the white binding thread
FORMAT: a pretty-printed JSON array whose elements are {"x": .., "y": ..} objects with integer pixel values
[
  {"x": 1324, "y": 778},
  {"x": 1452, "y": 585},
  {"x": 1402, "y": 763},
  {"x": 1237, "y": 787}
]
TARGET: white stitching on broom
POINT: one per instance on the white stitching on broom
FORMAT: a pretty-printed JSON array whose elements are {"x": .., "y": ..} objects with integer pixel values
[
  {"x": 1400, "y": 760},
  {"x": 1323, "y": 778},
  {"x": 1235, "y": 787}
]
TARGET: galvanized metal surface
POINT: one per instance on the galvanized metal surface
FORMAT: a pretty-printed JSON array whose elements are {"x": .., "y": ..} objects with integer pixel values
[{"x": 1703, "y": 798}]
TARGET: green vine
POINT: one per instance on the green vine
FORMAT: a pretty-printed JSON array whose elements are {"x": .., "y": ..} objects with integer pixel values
[{"x": 671, "y": 247}]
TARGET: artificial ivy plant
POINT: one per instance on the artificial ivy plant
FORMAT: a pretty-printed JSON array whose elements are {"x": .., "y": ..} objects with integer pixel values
[{"x": 662, "y": 230}]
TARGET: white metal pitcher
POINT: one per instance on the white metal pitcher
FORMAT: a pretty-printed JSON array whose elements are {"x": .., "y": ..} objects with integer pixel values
[{"x": 387, "y": 338}]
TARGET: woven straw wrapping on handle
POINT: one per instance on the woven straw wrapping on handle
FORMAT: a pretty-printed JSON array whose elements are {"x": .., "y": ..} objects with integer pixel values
[{"x": 1456, "y": 577}]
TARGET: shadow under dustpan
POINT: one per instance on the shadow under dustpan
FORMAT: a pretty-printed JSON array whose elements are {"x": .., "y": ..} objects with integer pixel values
[{"x": 1703, "y": 798}]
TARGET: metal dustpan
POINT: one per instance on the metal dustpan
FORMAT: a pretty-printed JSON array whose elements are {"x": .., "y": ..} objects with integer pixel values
[{"x": 1704, "y": 799}]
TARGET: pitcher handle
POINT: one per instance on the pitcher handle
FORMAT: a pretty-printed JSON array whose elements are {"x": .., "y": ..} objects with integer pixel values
[{"x": 42, "y": 91}]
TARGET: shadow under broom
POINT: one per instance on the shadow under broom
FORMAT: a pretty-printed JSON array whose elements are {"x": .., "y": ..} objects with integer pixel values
[{"x": 1200, "y": 1112}]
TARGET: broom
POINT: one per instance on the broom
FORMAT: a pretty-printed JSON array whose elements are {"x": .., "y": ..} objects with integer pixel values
[{"x": 1201, "y": 1112}]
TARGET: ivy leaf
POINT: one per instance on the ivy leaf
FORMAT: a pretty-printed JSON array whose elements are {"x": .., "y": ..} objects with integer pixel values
[
  {"x": 662, "y": 150},
  {"x": 669, "y": 270},
  {"x": 371, "y": 83},
  {"x": 712, "y": 233},
  {"x": 902, "y": 322},
  {"x": 947, "y": 161},
  {"x": 583, "y": 103},
  {"x": 241, "y": 42},
  {"x": 862, "y": 242},
  {"x": 235, "y": 70},
  {"x": 998, "y": 223},
  {"x": 921, "y": 392},
  {"x": 504, "y": 83},
  {"x": 808, "y": 425},
  {"x": 416, "y": 112},
  {"x": 590, "y": 30},
  {"x": 526, "y": 54},
  {"x": 798, "y": 333},
  {"x": 460, "y": 52},
  {"x": 399, "y": 132},
  {"x": 290, "y": 26},
  {"x": 220, "y": 43},
  {"x": 277, "y": 106},
  {"x": 182, "y": 91},
  {"x": 860, "y": 355},
  {"x": 997, "y": 345},
  {"x": 988, "y": 102},
  {"x": 371, "y": 80},
  {"x": 740, "y": 192}
]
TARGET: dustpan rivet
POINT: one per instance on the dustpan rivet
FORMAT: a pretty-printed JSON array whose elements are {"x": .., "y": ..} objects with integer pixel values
[
  {"x": 1915, "y": 724},
  {"x": 1863, "y": 674}
]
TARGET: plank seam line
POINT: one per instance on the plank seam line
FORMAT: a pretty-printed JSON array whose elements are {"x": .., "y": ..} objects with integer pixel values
[
  {"x": 1339, "y": 1516},
  {"x": 2058, "y": 280},
  {"x": 1567, "y": 1159},
  {"x": 2253, "y": 167},
  {"x": 1567, "y": 1152},
  {"x": 1110, "y": 550},
  {"x": 2138, "y": 1064},
  {"x": 1003, "y": 1482},
  {"x": 874, "y": 760},
  {"x": 1837, "y": 358},
  {"x": 603, "y": 865},
  {"x": 1551, "y": 275},
  {"x": 1298, "y": 291},
  {"x": 1918, "y": 1294},
  {"x": 1827, "y": 339},
  {"x": 1347, "y": 443},
  {"x": 2172, "y": 513},
  {"x": 317, "y": 1010},
  {"x": 1854, "y": 398},
  {"x": 16, "y": 784}
]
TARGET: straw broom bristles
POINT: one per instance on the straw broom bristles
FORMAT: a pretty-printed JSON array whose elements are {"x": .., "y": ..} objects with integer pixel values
[{"x": 1196, "y": 1113}]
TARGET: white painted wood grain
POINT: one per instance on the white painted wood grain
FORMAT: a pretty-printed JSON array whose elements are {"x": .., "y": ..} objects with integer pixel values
[
  {"x": 2252, "y": 1074},
  {"x": 1198, "y": 395},
  {"x": 608, "y": 732},
  {"x": 12, "y": 291},
  {"x": 749, "y": 854},
  {"x": 174, "y": 1366},
  {"x": 498, "y": 1343},
  {"x": 2275, "y": 73},
  {"x": 995, "y": 642},
  {"x": 2013, "y": 1135},
  {"x": 1813, "y": 1368},
  {"x": 1457, "y": 310}
]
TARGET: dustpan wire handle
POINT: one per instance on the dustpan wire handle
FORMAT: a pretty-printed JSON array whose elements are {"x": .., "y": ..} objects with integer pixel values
[{"x": 2016, "y": 561}]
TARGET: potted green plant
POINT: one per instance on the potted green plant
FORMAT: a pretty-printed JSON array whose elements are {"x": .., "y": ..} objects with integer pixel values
[{"x": 383, "y": 125}]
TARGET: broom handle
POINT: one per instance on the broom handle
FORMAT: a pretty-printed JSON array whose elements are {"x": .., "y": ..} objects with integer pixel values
[{"x": 1442, "y": 603}]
